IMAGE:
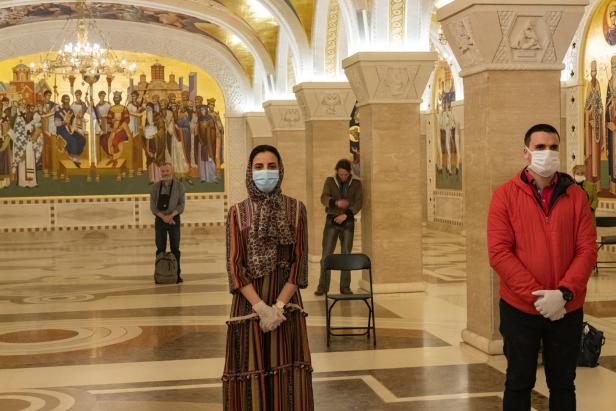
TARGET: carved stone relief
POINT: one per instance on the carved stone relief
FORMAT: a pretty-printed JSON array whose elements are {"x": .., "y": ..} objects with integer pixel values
[
  {"x": 465, "y": 43},
  {"x": 396, "y": 82},
  {"x": 291, "y": 118}
]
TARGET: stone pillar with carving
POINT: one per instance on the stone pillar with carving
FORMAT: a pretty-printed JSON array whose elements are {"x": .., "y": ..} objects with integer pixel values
[
  {"x": 289, "y": 136},
  {"x": 238, "y": 146},
  {"x": 388, "y": 86},
  {"x": 511, "y": 55},
  {"x": 258, "y": 129},
  {"x": 326, "y": 109}
]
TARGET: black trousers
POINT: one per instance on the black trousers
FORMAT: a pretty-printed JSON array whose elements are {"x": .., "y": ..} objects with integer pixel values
[
  {"x": 331, "y": 233},
  {"x": 163, "y": 229},
  {"x": 522, "y": 334}
]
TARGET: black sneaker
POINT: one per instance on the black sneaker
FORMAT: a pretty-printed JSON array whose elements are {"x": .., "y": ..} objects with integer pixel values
[
  {"x": 346, "y": 291},
  {"x": 319, "y": 292},
  {"x": 179, "y": 280}
]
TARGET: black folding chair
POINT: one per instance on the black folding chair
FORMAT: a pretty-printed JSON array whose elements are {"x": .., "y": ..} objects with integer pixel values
[
  {"x": 605, "y": 240},
  {"x": 350, "y": 262}
]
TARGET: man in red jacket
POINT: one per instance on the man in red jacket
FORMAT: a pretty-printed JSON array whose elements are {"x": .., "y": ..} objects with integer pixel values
[{"x": 541, "y": 242}]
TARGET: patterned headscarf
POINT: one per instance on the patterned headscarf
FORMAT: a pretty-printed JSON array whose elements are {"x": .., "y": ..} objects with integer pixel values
[{"x": 270, "y": 226}]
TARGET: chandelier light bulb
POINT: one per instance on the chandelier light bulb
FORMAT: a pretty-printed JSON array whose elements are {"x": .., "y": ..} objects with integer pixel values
[{"x": 81, "y": 56}]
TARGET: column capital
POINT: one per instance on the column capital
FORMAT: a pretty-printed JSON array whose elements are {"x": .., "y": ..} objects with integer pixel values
[
  {"x": 284, "y": 115},
  {"x": 510, "y": 34},
  {"x": 258, "y": 124},
  {"x": 389, "y": 77},
  {"x": 325, "y": 100}
]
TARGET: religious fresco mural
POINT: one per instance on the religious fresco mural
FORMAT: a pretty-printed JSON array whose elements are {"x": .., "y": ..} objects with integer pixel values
[
  {"x": 447, "y": 156},
  {"x": 354, "y": 131},
  {"x": 73, "y": 137},
  {"x": 599, "y": 105}
]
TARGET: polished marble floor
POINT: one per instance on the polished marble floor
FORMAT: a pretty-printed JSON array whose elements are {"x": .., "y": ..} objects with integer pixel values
[{"x": 83, "y": 327}]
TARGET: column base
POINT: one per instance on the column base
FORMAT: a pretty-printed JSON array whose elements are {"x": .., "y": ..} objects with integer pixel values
[
  {"x": 394, "y": 288},
  {"x": 491, "y": 347}
]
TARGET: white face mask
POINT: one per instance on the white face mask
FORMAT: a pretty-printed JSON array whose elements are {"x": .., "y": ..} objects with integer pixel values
[
  {"x": 579, "y": 179},
  {"x": 544, "y": 162}
]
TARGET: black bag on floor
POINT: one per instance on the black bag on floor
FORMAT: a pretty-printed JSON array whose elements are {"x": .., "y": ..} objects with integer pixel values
[
  {"x": 165, "y": 269},
  {"x": 590, "y": 348}
]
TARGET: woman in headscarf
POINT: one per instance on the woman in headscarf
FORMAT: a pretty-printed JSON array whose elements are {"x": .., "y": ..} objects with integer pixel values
[{"x": 267, "y": 364}]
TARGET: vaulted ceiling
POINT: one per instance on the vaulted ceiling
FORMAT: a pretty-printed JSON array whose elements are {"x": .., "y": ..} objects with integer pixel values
[{"x": 270, "y": 43}]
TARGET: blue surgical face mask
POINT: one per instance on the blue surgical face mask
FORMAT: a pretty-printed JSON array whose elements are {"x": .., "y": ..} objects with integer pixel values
[{"x": 266, "y": 180}]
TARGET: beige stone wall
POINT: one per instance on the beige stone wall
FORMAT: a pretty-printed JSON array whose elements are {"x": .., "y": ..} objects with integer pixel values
[
  {"x": 392, "y": 215},
  {"x": 104, "y": 212},
  {"x": 326, "y": 143},
  {"x": 292, "y": 147},
  {"x": 494, "y": 146}
]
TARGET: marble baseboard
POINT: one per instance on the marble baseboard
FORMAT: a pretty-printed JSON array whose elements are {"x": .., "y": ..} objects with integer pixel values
[
  {"x": 103, "y": 212},
  {"x": 491, "y": 347}
]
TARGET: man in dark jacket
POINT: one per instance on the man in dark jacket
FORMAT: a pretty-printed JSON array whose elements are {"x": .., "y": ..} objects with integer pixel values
[
  {"x": 167, "y": 201},
  {"x": 342, "y": 198},
  {"x": 541, "y": 242}
]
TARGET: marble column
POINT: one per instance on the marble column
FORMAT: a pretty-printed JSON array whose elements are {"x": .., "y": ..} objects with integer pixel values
[
  {"x": 289, "y": 136},
  {"x": 510, "y": 53},
  {"x": 388, "y": 86},
  {"x": 238, "y": 146},
  {"x": 326, "y": 108}
]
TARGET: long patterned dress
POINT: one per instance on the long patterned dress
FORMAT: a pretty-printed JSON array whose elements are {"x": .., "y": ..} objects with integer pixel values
[{"x": 267, "y": 371}]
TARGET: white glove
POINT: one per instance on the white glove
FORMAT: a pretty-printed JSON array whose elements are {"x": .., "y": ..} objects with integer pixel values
[
  {"x": 559, "y": 315},
  {"x": 550, "y": 304},
  {"x": 269, "y": 317}
]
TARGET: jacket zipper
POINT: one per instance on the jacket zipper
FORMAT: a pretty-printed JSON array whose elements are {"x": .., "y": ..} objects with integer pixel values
[{"x": 547, "y": 222}]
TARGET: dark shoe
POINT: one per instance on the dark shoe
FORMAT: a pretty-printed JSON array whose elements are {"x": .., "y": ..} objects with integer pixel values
[
  {"x": 319, "y": 292},
  {"x": 180, "y": 280},
  {"x": 346, "y": 291}
]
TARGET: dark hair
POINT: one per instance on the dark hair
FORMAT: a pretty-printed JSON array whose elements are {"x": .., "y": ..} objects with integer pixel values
[
  {"x": 546, "y": 128},
  {"x": 345, "y": 164},
  {"x": 264, "y": 148}
]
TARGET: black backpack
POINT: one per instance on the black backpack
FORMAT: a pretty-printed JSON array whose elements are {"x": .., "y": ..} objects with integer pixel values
[
  {"x": 165, "y": 269},
  {"x": 590, "y": 347}
]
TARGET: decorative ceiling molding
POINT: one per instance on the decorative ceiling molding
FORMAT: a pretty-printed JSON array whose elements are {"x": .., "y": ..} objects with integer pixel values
[{"x": 179, "y": 14}]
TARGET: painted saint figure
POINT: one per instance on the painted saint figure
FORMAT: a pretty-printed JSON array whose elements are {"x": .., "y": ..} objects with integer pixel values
[
  {"x": 184, "y": 117},
  {"x": 155, "y": 135},
  {"x": 28, "y": 145},
  {"x": 47, "y": 109},
  {"x": 206, "y": 143},
  {"x": 137, "y": 112},
  {"x": 594, "y": 143},
  {"x": 5, "y": 143},
  {"x": 64, "y": 117},
  {"x": 175, "y": 146},
  {"x": 609, "y": 26},
  {"x": 220, "y": 133},
  {"x": 610, "y": 125},
  {"x": 119, "y": 132}
]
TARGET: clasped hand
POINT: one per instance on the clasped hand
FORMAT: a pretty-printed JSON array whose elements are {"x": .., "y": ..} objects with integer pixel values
[
  {"x": 550, "y": 304},
  {"x": 270, "y": 317}
]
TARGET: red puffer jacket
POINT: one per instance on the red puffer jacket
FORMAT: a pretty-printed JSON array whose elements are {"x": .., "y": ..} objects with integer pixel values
[{"x": 533, "y": 251}]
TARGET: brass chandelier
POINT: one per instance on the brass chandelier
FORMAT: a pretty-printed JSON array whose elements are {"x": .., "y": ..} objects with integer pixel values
[{"x": 80, "y": 57}]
